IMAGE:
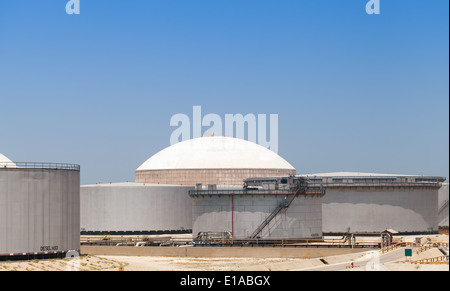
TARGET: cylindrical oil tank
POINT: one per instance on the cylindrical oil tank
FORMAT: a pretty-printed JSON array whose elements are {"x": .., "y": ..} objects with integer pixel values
[
  {"x": 242, "y": 214},
  {"x": 212, "y": 160},
  {"x": 39, "y": 210},
  {"x": 135, "y": 208},
  {"x": 443, "y": 205},
  {"x": 366, "y": 202}
]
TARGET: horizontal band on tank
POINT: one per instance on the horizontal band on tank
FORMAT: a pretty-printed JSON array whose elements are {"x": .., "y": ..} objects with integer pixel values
[
  {"x": 136, "y": 232},
  {"x": 252, "y": 192},
  {"x": 40, "y": 166},
  {"x": 395, "y": 182},
  {"x": 223, "y": 176},
  {"x": 35, "y": 255}
]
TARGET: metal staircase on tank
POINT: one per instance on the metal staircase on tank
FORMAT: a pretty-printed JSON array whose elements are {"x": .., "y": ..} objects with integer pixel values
[
  {"x": 301, "y": 189},
  {"x": 442, "y": 208}
]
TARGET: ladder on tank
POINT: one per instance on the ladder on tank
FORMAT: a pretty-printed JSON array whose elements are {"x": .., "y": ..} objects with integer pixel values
[
  {"x": 284, "y": 205},
  {"x": 442, "y": 208}
]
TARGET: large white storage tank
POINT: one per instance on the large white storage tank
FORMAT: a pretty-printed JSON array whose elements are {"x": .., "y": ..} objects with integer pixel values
[
  {"x": 135, "y": 209},
  {"x": 241, "y": 214},
  {"x": 367, "y": 202},
  {"x": 39, "y": 210},
  {"x": 443, "y": 206},
  {"x": 219, "y": 160},
  {"x": 266, "y": 208}
]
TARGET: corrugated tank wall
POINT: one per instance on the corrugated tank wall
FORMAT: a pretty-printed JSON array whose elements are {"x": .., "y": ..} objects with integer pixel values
[
  {"x": 135, "y": 208},
  {"x": 368, "y": 209},
  {"x": 243, "y": 214},
  {"x": 443, "y": 205},
  {"x": 39, "y": 210}
]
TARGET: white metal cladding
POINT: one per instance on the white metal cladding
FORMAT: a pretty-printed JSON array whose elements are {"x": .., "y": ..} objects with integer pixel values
[
  {"x": 443, "y": 205},
  {"x": 373, "y": 210},
  {"x": 135, "y": 207},
  {"x": 216, "y": 152},
  {"x": 367, "y": 202},
  {"x": 243, "y": 214},
  {"x": 39, "y": 210}
]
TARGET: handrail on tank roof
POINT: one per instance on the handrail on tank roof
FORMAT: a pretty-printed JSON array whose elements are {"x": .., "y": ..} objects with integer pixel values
[{"x": 39, "y": 165}]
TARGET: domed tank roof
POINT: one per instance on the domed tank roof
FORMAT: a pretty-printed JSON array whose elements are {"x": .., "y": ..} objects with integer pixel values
[
  {"x": 5, "y": 162},
  {"x": 216, "y": 152}
]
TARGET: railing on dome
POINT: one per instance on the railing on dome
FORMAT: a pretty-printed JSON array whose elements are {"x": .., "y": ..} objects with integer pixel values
[{"x": 39, "y": 165}]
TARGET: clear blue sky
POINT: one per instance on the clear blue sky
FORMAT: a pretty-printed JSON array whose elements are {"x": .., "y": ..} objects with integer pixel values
[{"x": 353, "y": 91}]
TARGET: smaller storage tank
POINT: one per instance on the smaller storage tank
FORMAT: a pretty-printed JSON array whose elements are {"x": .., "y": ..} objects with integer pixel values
[{"x": 39, "y": 210}]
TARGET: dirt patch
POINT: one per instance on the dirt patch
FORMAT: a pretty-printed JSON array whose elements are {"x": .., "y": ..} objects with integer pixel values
[{"x": 83, "y": 263}]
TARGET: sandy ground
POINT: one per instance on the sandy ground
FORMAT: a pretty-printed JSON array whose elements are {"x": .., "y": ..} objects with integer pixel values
[
  {"x": 116, "y": 263},
  {"x": 84, "y": 263},
  {"x": 130, "y": 263}
]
